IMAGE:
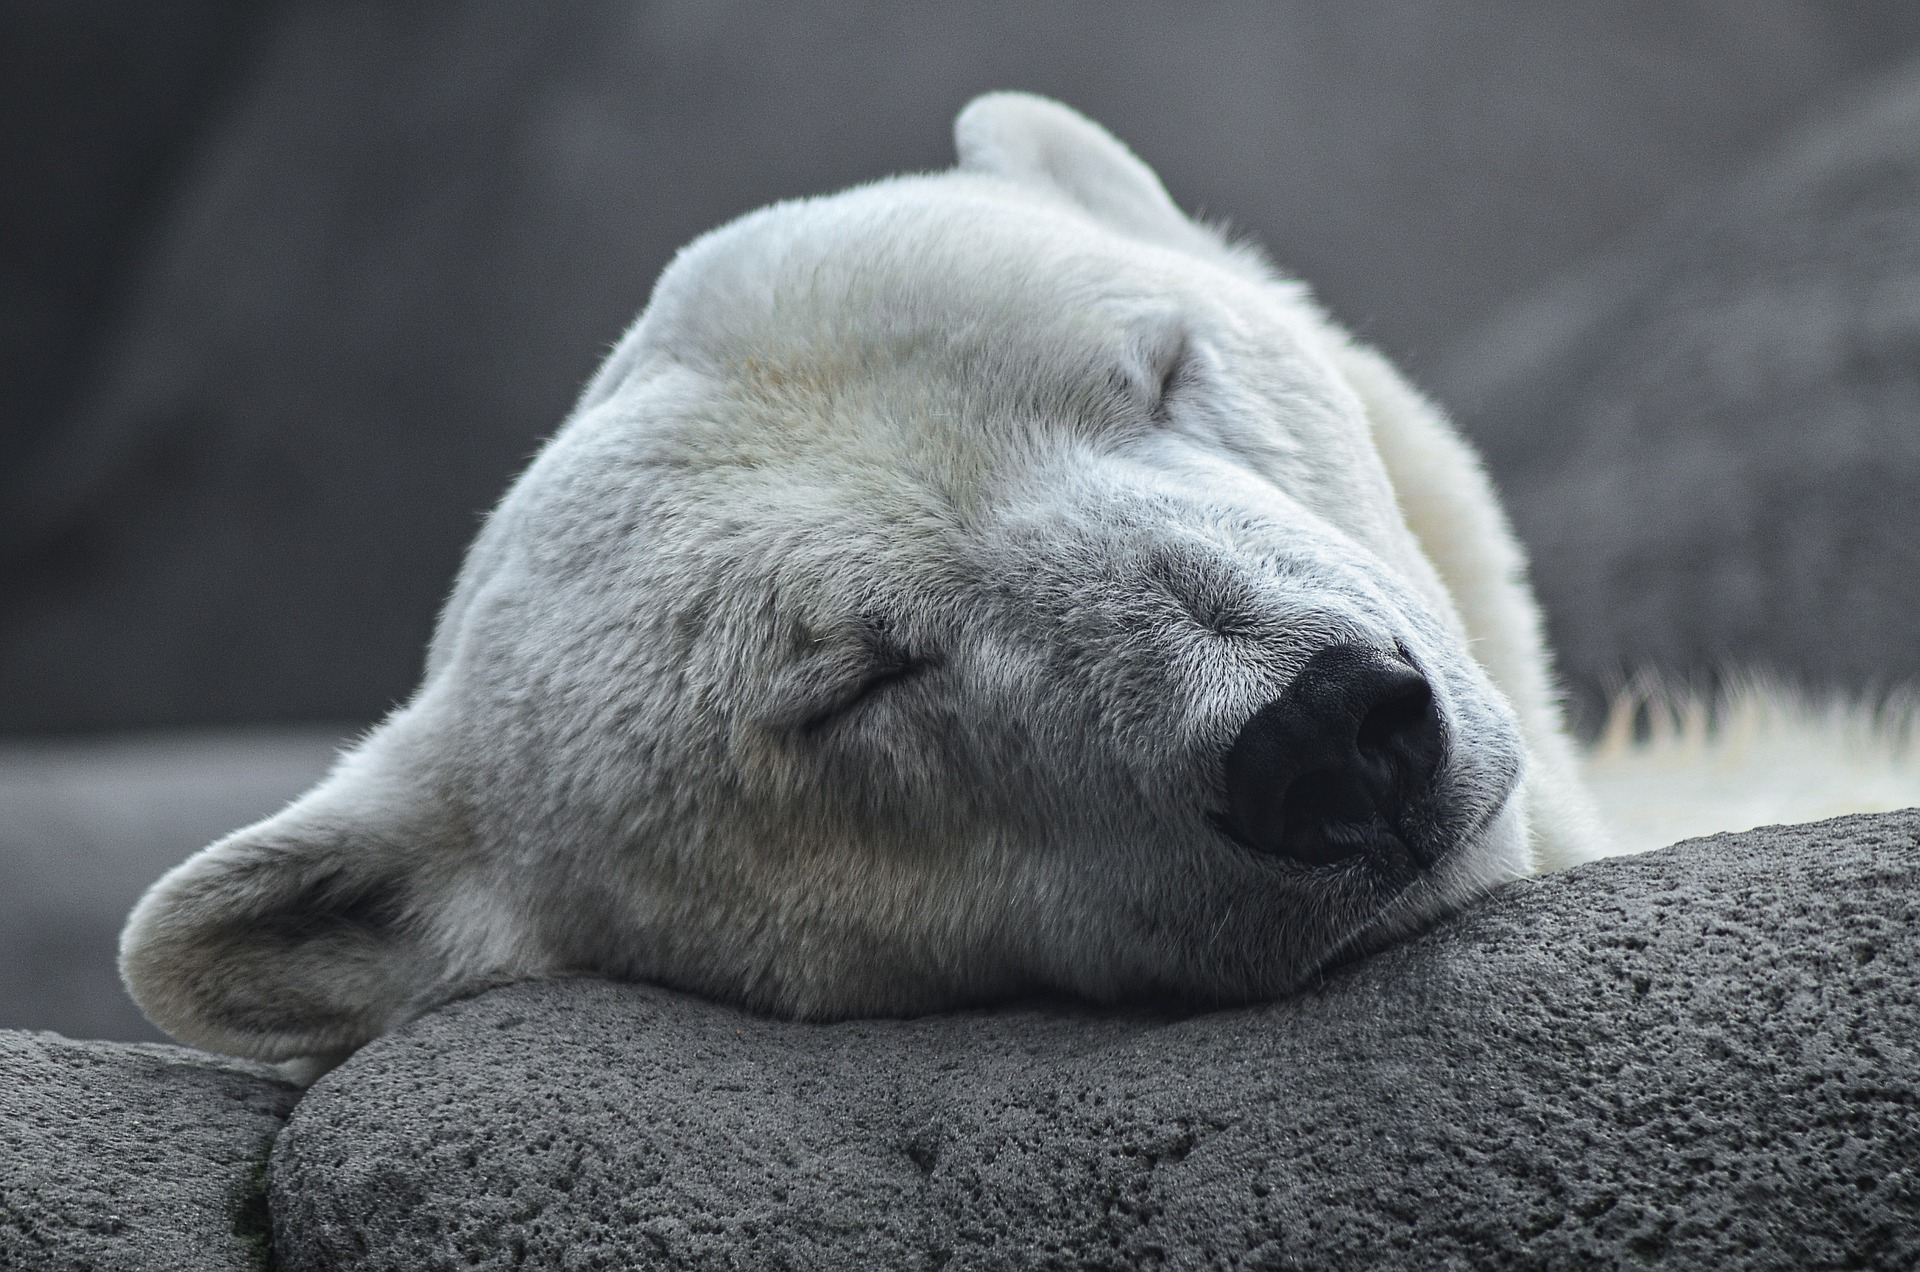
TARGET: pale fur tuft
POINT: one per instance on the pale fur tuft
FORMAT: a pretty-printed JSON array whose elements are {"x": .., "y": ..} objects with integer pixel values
[{"x": 1673, "y": 764}]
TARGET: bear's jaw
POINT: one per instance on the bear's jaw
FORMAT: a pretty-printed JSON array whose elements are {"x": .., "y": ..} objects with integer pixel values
[{"x": 1496, "y": 853}]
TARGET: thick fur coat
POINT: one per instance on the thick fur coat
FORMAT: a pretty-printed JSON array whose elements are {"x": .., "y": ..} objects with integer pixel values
[{"x": 890, "y": 627}]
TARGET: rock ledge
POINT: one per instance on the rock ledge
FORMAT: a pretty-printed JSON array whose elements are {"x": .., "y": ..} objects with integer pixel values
[{"x": 1705, "y": 1056}]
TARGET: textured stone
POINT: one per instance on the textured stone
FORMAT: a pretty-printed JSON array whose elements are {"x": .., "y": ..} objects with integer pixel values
[
  {"x": 1701, "y": 1057},
  {"x": 145, "y": 1158},
  {"x": 1709, "y": 440}
]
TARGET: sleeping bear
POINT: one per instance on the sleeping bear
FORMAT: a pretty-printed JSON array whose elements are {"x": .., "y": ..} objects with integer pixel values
[{"x": 969, "y": 585}]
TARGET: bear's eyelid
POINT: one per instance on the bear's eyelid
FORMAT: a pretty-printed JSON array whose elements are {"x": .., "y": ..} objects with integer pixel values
[
  {"x": 1173, "y": 362},
  {"x": 891, "y": 665},
  {"x": 883, "y": 659}
]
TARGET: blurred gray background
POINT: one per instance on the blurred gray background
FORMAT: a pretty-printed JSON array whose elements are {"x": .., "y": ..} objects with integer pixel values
[{"x": 291, "y": 290}]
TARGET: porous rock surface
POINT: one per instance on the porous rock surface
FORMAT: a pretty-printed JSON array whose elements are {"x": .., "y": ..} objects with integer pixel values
[
  {"x": 1701, "y": 1057},
  {"x": 143, "y": 1158}
]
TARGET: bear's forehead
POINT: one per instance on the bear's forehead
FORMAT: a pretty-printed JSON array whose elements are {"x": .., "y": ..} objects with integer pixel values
[
  {"x": 928, "y": 272},
  {"x": 950, "y": 299},
  {"x": 917, "y": 345}
]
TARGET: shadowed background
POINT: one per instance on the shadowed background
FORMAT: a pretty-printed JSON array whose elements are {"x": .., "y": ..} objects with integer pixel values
[{"x": 291, "y": 290}]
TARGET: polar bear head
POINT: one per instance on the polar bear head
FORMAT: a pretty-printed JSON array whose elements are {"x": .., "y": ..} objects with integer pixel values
[{"x": 970, "y": 584}]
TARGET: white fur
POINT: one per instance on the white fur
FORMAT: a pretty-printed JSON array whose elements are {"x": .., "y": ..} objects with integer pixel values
[
  {"x": 1675, "y": 766},
  {"x": 872, "y": 637}
]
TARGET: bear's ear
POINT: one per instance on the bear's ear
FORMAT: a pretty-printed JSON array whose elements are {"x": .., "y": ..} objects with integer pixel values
[
  {"x": 1039, "y": 142},
  {"x": 298, "y": 936}
]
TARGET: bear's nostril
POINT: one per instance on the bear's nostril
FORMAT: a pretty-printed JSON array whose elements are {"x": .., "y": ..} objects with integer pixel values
[
  {"x": 1332, "y": 768},
  {"x": 1406, "y": 717}
]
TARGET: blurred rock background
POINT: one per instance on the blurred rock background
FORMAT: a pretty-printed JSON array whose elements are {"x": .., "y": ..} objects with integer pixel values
[{"x": 290, "y": 291}]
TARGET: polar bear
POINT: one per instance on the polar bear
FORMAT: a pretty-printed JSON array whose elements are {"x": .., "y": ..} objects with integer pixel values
[{"x": 970, "y": 584}]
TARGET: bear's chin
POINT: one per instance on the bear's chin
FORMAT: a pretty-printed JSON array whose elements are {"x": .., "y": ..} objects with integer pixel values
[{"x": 1497, "y": 853}]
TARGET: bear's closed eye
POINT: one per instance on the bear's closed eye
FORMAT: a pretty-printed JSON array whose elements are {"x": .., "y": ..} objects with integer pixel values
[{"x": 885, "y": 664}]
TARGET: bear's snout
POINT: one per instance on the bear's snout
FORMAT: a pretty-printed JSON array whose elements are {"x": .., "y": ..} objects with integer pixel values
[{"x": 1341, "y": 765}]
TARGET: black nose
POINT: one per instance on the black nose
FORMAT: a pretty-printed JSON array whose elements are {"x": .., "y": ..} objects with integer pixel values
[{"x": 1340, "y": 764}]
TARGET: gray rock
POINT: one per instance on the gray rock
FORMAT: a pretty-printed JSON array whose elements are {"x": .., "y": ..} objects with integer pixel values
[
  {"x": 136, "y": 1157},
  {"x": 1701, "y": 1057},
  {"x": 1711, "y": 440},
  {"x": 415, "y": 228}
]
